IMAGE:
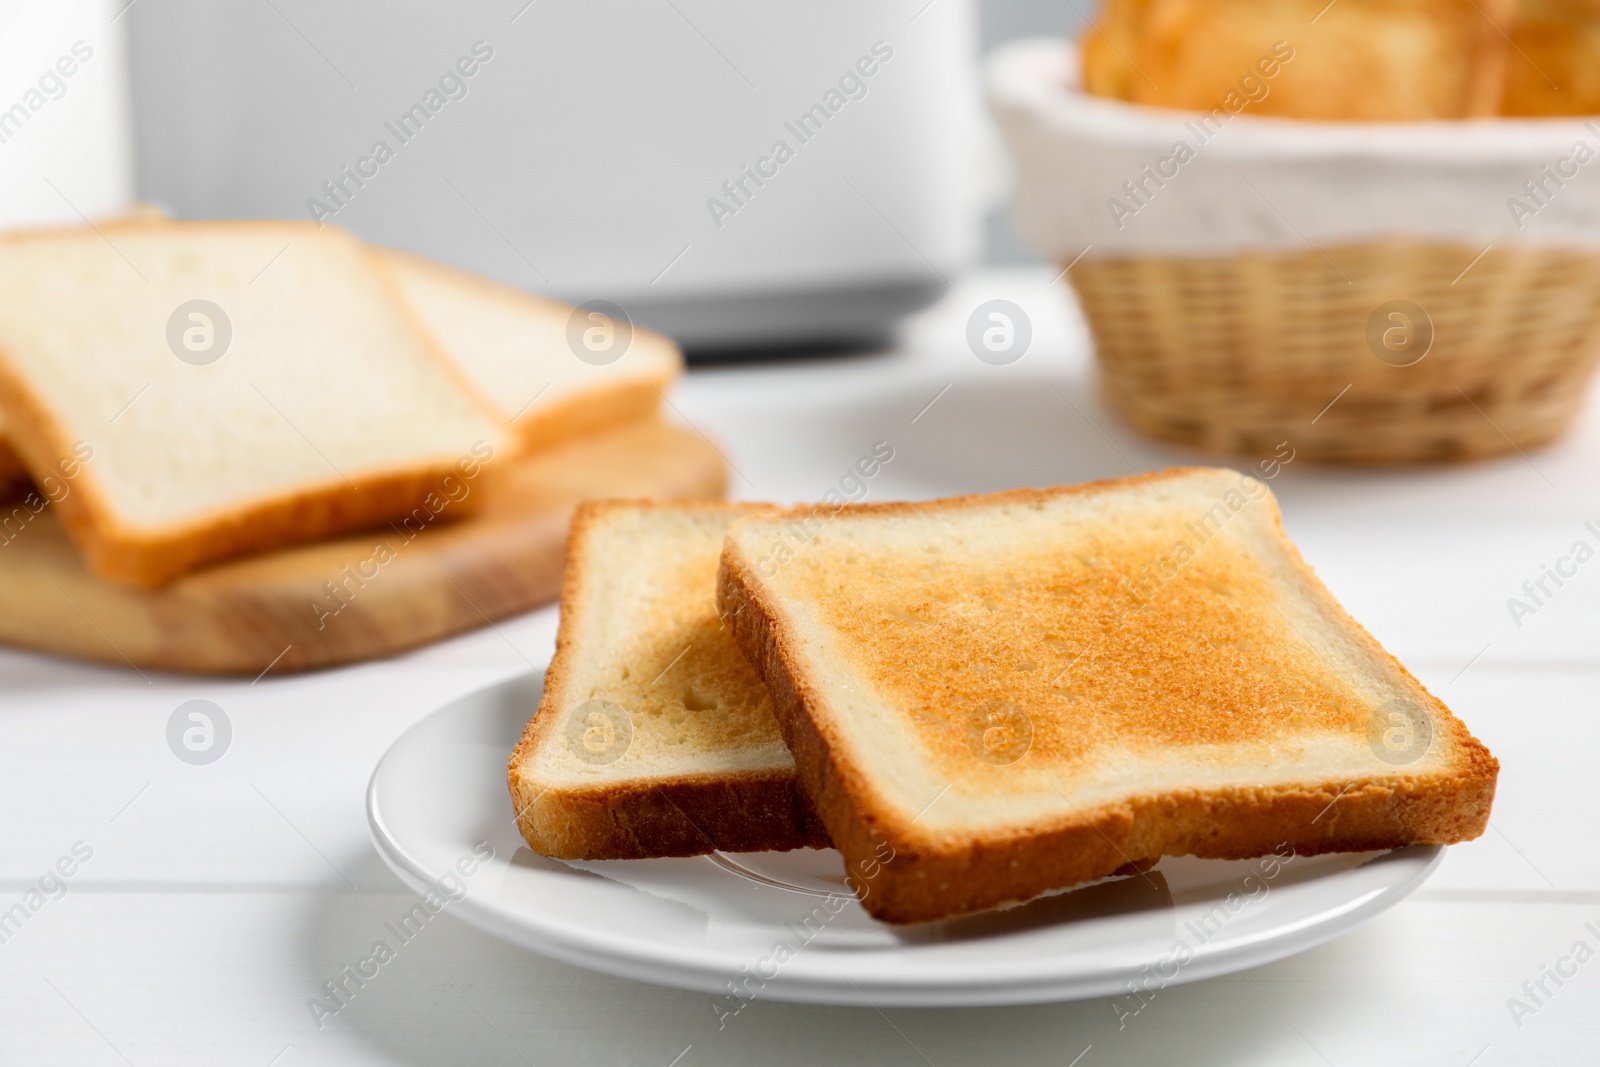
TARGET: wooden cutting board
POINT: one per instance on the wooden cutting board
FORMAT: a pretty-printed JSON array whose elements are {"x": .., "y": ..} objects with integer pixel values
[{"x": 275, "y": 612}]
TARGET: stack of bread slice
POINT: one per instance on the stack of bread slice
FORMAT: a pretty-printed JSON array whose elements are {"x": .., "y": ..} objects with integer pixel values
[
  {"x": 213, "y": 389},
  {"x": 980, "y": 699}
]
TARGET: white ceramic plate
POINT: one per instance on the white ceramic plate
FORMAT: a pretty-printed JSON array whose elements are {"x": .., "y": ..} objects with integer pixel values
[{"x": 782, "y": 926}]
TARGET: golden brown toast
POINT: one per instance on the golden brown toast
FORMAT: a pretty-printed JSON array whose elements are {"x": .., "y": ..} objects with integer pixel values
[
  {"x": 990, "y": 697},
  {"x": 654, "y": 736}
]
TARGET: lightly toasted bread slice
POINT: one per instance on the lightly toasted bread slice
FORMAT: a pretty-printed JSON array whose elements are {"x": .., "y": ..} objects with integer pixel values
[
  {"x": 296, "y": 402},
  {"x": 989, "y": 697},
  {"x": 522, "y": 352},
  {"x": 654, "y": 736}
]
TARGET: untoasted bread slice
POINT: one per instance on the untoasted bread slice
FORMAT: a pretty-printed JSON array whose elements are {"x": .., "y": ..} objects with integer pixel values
[
  {"x": 530, "y": 358},
  {"x": 14, "y": 476},
  {"x": 989, "y": 697},
  {"x": 326, "y": 410},
  {"x": 654, "y": 736}
]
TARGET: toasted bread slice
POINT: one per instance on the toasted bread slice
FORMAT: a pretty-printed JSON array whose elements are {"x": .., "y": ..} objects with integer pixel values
[
  {"x": 654, "y": 736},
  {"x": 308, "y": 405},
  {"x": 523, "y": 352},
  {"x": 989, "y": 697}
]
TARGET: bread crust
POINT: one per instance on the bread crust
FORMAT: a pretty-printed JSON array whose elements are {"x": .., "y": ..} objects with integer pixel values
[
  {"x": 905, "y": 874},
  {"x": 13, "y": 474},
  {"x": 146, "y": 558},
  {"x": 682, "y": 815}
]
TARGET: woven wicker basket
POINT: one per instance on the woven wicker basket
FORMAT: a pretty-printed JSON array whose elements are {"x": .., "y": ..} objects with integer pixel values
[{"x": 1238, "y": 353}]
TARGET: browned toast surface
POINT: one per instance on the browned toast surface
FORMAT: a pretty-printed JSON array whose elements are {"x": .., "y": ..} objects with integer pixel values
[{"x": 1023, "y": 691}]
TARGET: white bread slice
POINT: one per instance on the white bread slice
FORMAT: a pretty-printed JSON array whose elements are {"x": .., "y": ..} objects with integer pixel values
[
  {"x": 13, "y": 473},
  {"x": 654, "y": 736},
  {"x": 327, "y": 411},
  {"x": 515, "y": 348},
  {"x": 989, "y": 697}
]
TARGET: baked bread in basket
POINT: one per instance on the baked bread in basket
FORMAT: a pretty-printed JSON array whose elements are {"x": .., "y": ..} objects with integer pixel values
[{"x": 1365, "y": 229}]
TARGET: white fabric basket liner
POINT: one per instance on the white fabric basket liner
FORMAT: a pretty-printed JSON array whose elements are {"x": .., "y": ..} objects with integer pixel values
[{"x": 1274, "y": 184}]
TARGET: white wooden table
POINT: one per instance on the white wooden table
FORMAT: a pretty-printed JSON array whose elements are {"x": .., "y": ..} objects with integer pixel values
[{"x": 218, "y": 898}]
